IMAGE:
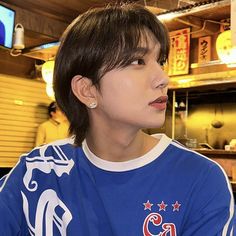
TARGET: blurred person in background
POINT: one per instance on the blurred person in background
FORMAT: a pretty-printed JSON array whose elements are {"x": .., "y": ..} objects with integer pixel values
[{"x": 55, "y": 128}]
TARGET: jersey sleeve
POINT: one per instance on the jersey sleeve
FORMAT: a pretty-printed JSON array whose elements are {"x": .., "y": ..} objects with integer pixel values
[
  {"x": 11, "y": 213},
  {"x": 211, "y": 209}
]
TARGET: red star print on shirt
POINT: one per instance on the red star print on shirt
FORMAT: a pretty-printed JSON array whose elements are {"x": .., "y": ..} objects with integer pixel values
[
  {"x": 162, "y": 206},
  {"x": 148, "y": 205},
  {"x": 176, "y": 206}
]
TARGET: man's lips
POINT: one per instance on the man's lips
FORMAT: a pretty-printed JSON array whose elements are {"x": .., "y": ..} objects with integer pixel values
[
  {"x": 162, "y": 99},
  {"x": 159, "y": 103}
]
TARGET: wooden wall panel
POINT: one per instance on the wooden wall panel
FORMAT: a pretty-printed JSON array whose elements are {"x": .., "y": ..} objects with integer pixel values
[
  {"x": 23, "y": 106},
  {"x": 20, "y": 66}
]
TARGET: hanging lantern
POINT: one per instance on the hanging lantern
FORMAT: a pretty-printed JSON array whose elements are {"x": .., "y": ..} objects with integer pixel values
[
  {"x": 47, "y": 71},
  {"x": 226, "y": 52},
  {"x": 50, "y": 91},
  {"x": 47, "y": 74}
]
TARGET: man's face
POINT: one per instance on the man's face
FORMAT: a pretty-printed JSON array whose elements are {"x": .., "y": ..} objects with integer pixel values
[
  {"x": 136, "y": 95},
  {"x": 58, "y": 115}
]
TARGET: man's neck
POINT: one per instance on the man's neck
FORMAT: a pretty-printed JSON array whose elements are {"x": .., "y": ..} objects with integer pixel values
[{"x": 120, "y": 147}]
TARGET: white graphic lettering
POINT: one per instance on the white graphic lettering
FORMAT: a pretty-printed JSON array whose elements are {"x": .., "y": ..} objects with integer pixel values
[
  {"x": 46, "y": 216},
  {"x": 46, "y": 164}
]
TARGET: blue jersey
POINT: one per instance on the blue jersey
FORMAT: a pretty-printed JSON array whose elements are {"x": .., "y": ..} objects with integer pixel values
[{"x": 63, "y": 190}]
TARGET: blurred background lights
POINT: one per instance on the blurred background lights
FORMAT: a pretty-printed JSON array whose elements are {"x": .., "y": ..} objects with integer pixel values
[{"x": 225, "y": 50}]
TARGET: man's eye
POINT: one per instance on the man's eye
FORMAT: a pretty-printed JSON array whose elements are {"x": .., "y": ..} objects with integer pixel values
[
  {"x": 162, "y": 63},
  {"x": 138, "y": 62}
]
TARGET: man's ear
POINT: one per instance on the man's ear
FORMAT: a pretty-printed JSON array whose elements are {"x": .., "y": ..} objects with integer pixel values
[{"x": 83, "y": 89}]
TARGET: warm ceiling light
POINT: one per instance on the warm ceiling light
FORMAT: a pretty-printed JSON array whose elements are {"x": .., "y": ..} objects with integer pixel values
[
  {"x": 226, "y": 52},
  {"x": 47, "y": 74},
  {"x": 50, "y": 91},
  {"x": 47, "y": 71}
]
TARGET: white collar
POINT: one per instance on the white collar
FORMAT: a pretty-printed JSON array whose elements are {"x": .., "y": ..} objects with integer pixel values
[{"x": 141, "y": 161}]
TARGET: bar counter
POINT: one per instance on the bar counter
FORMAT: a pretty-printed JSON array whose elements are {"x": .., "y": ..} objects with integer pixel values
[{"x": 217, "y": 153}]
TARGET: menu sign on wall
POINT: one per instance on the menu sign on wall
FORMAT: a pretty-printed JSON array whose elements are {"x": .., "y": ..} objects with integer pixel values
[
  {"x": 178, "y": 63},
  {"x": 204, "y": 49},
  {"x": 232, "y": 21}
]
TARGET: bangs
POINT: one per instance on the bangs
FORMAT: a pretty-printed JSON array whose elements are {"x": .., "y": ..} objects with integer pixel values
[
  {"x": 128, "y": 33},
  {"x": 132, "y": 45},
  {"x": 126, "y": 49}
]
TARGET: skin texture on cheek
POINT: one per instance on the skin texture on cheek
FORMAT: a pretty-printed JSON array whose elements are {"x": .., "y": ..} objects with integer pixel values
[
  {"x": 125, "y": 97},
  {"x": 122, "y": 90}
]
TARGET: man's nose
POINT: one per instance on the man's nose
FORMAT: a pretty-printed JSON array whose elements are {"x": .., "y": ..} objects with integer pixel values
[{"x": 161, "y": 78}]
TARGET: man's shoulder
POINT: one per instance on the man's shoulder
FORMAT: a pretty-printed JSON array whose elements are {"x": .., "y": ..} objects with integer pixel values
[
  {"x": 58, "y": 156},
  {"x": 192, "y": 159},
  {"x": 65, "y": 145},
  {"x": 44, "y": 124}
]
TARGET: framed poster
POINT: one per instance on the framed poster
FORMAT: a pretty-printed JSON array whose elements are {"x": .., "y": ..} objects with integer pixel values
[{"x": 178, "y": 63}]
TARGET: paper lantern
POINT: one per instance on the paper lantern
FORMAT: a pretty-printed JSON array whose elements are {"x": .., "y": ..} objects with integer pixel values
[
  {"x": 47, "y": 71},
  {"x": 50, "y": 91},
  {"x": 226, "y": 52}
]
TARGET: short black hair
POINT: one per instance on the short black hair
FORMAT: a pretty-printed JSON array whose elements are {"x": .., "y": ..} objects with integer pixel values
[
  {"x": 52, "y": 107},
  {"x": 96, "y": 42}
]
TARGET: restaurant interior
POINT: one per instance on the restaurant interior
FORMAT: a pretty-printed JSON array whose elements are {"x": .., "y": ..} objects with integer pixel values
[{"x": 201, "y": 67}]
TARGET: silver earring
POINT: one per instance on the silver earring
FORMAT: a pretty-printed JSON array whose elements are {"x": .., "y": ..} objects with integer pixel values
[{"x": 92, "y": 105}]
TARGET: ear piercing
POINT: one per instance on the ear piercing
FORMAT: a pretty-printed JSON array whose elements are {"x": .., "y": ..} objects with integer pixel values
[{"x": 92, "y": 105}]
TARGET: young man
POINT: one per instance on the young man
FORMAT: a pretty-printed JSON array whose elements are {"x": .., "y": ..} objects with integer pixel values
[
  {"x": 112, "y": 179},
  {"x": 55, "y": 128}
]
